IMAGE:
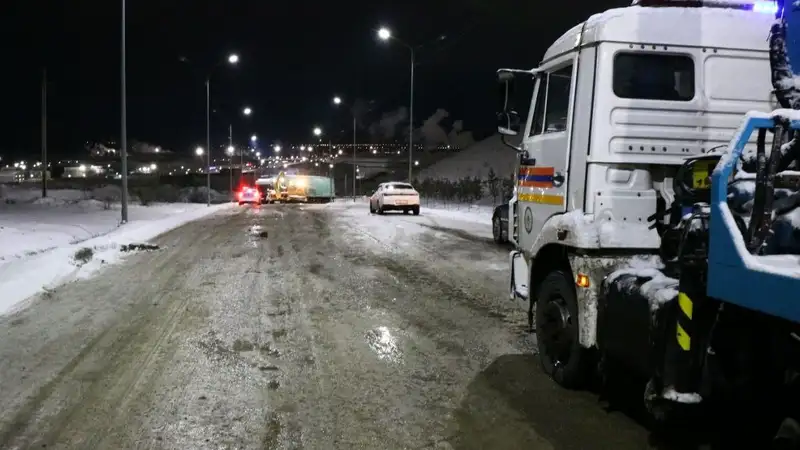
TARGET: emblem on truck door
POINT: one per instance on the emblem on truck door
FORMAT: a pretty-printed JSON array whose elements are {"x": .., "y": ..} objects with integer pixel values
[{"x": 528, "y": 219}]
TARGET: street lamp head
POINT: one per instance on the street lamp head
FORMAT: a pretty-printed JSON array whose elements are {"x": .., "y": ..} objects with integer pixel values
[
  {"x": 337, "y": 100},
  {"x": 233, "y": 58},
  {"x": 198, "y": 151},
  {"x": 158, "y": 149},
  {"x": 230, "y": 150},
  {"x": 253, "y": 138},
  {"x": 317, "y": 131},
  {"x": 277, "y": 149},
  {"x": 247, "y": 111},
  {"x": 384, "y": 34}
]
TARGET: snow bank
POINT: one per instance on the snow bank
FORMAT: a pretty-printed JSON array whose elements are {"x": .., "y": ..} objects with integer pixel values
[
  {"x": 39, "y": 243},
  {"x": 464, "y": 213},
  {"x": 475, "y": 161},
  {"x": 44, "y": 224}
]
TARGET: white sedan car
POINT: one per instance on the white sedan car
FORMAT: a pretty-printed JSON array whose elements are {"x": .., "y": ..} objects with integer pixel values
[{"x": 395, "y": 196}]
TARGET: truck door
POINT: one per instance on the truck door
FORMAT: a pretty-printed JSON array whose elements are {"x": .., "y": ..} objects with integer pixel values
[{"x": 542, "y": 179}]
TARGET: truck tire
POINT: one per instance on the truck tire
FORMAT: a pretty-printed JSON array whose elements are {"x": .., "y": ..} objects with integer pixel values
[
  {"x": 788, "y": 436},
  {"x": 557, "y": 331},
  {"x": 497, "y": 230}
]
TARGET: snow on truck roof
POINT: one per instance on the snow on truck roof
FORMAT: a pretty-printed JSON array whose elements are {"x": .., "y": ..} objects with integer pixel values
[{"x": 670, "y": 26}]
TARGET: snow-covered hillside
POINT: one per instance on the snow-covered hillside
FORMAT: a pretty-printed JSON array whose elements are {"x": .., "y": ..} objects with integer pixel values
[{"x": 475, "y": 161}]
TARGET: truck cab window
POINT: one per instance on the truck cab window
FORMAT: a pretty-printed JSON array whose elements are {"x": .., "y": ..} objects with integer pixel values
[
  {"x": 557, "y": 101},
  {"x": 537, "y": 125},
  {"x": 650, "y": 76}
]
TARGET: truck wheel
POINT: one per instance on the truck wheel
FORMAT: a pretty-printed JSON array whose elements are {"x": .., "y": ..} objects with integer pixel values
[
  {"x": 415, "y": 210},
  {"x": 560, "y": 352},
  {"x": 788, "y": 436},
  {"x": 497, "y": 230}
]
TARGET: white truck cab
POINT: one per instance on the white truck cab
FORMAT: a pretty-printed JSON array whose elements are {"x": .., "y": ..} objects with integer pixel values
[{"x": 619, "y": 101}]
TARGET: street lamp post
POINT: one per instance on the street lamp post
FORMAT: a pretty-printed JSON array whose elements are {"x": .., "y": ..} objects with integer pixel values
[
  {"x": 208, "y": 140},
  {"x": 232, "y": 59},
  {"x": 253, "y": 139},
  {"x": 246, "y": 111},
  {"x": 318, "y": 133},
  {"x": 231, "y": 150},
  {"x": 384, "y": 34},
  {"x": 338, "y": 101},
  {"x": 124, "y": 125}
]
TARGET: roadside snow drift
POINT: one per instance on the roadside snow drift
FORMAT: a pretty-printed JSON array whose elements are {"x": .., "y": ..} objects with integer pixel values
[{"x": 47, "y": 243}]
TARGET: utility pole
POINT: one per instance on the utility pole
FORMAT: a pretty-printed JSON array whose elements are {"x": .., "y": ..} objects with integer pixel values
[
  {"x": 354, "y": 157},
  {"x": 44, "y": 133},
  {"x": 411, "y": 121},
  {"x": 208, "y": 141},
  {"x": 230, "y": 157},
  {"x": 124, "y": 133}
]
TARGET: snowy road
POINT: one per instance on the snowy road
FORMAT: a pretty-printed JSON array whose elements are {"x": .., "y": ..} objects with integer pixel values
[{"x": 338, "y": 330}]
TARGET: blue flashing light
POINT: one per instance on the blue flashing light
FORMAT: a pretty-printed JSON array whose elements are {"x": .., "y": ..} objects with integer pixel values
[
  {"x": 759, "y": 6},
  {"x": 766, "y": 7}
]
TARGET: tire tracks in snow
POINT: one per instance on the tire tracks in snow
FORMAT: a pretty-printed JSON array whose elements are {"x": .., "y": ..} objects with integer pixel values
[{"x": 92, "y": 390}]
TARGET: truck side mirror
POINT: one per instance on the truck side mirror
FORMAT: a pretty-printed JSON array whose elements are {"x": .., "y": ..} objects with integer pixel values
[{"x": 508, "y": 121}]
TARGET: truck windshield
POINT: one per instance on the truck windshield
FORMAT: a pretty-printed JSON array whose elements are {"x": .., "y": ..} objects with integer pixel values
[{"x": 648, "y": 76}]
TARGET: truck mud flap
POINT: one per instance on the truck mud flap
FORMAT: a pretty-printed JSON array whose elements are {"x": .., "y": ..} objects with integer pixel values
[{"x": 518, "y": 285}]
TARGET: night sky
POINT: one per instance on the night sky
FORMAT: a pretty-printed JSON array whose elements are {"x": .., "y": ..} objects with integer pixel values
[{"x": 294, "y": 57}]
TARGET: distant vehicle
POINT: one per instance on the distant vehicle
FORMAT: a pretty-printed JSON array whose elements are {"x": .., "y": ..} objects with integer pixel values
[
  {"x": 266, "y": 187},
  {"x": 249, "y": 195},
  {"x": 394, "y": 196},
  {"x": 295, "y": 188}
]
